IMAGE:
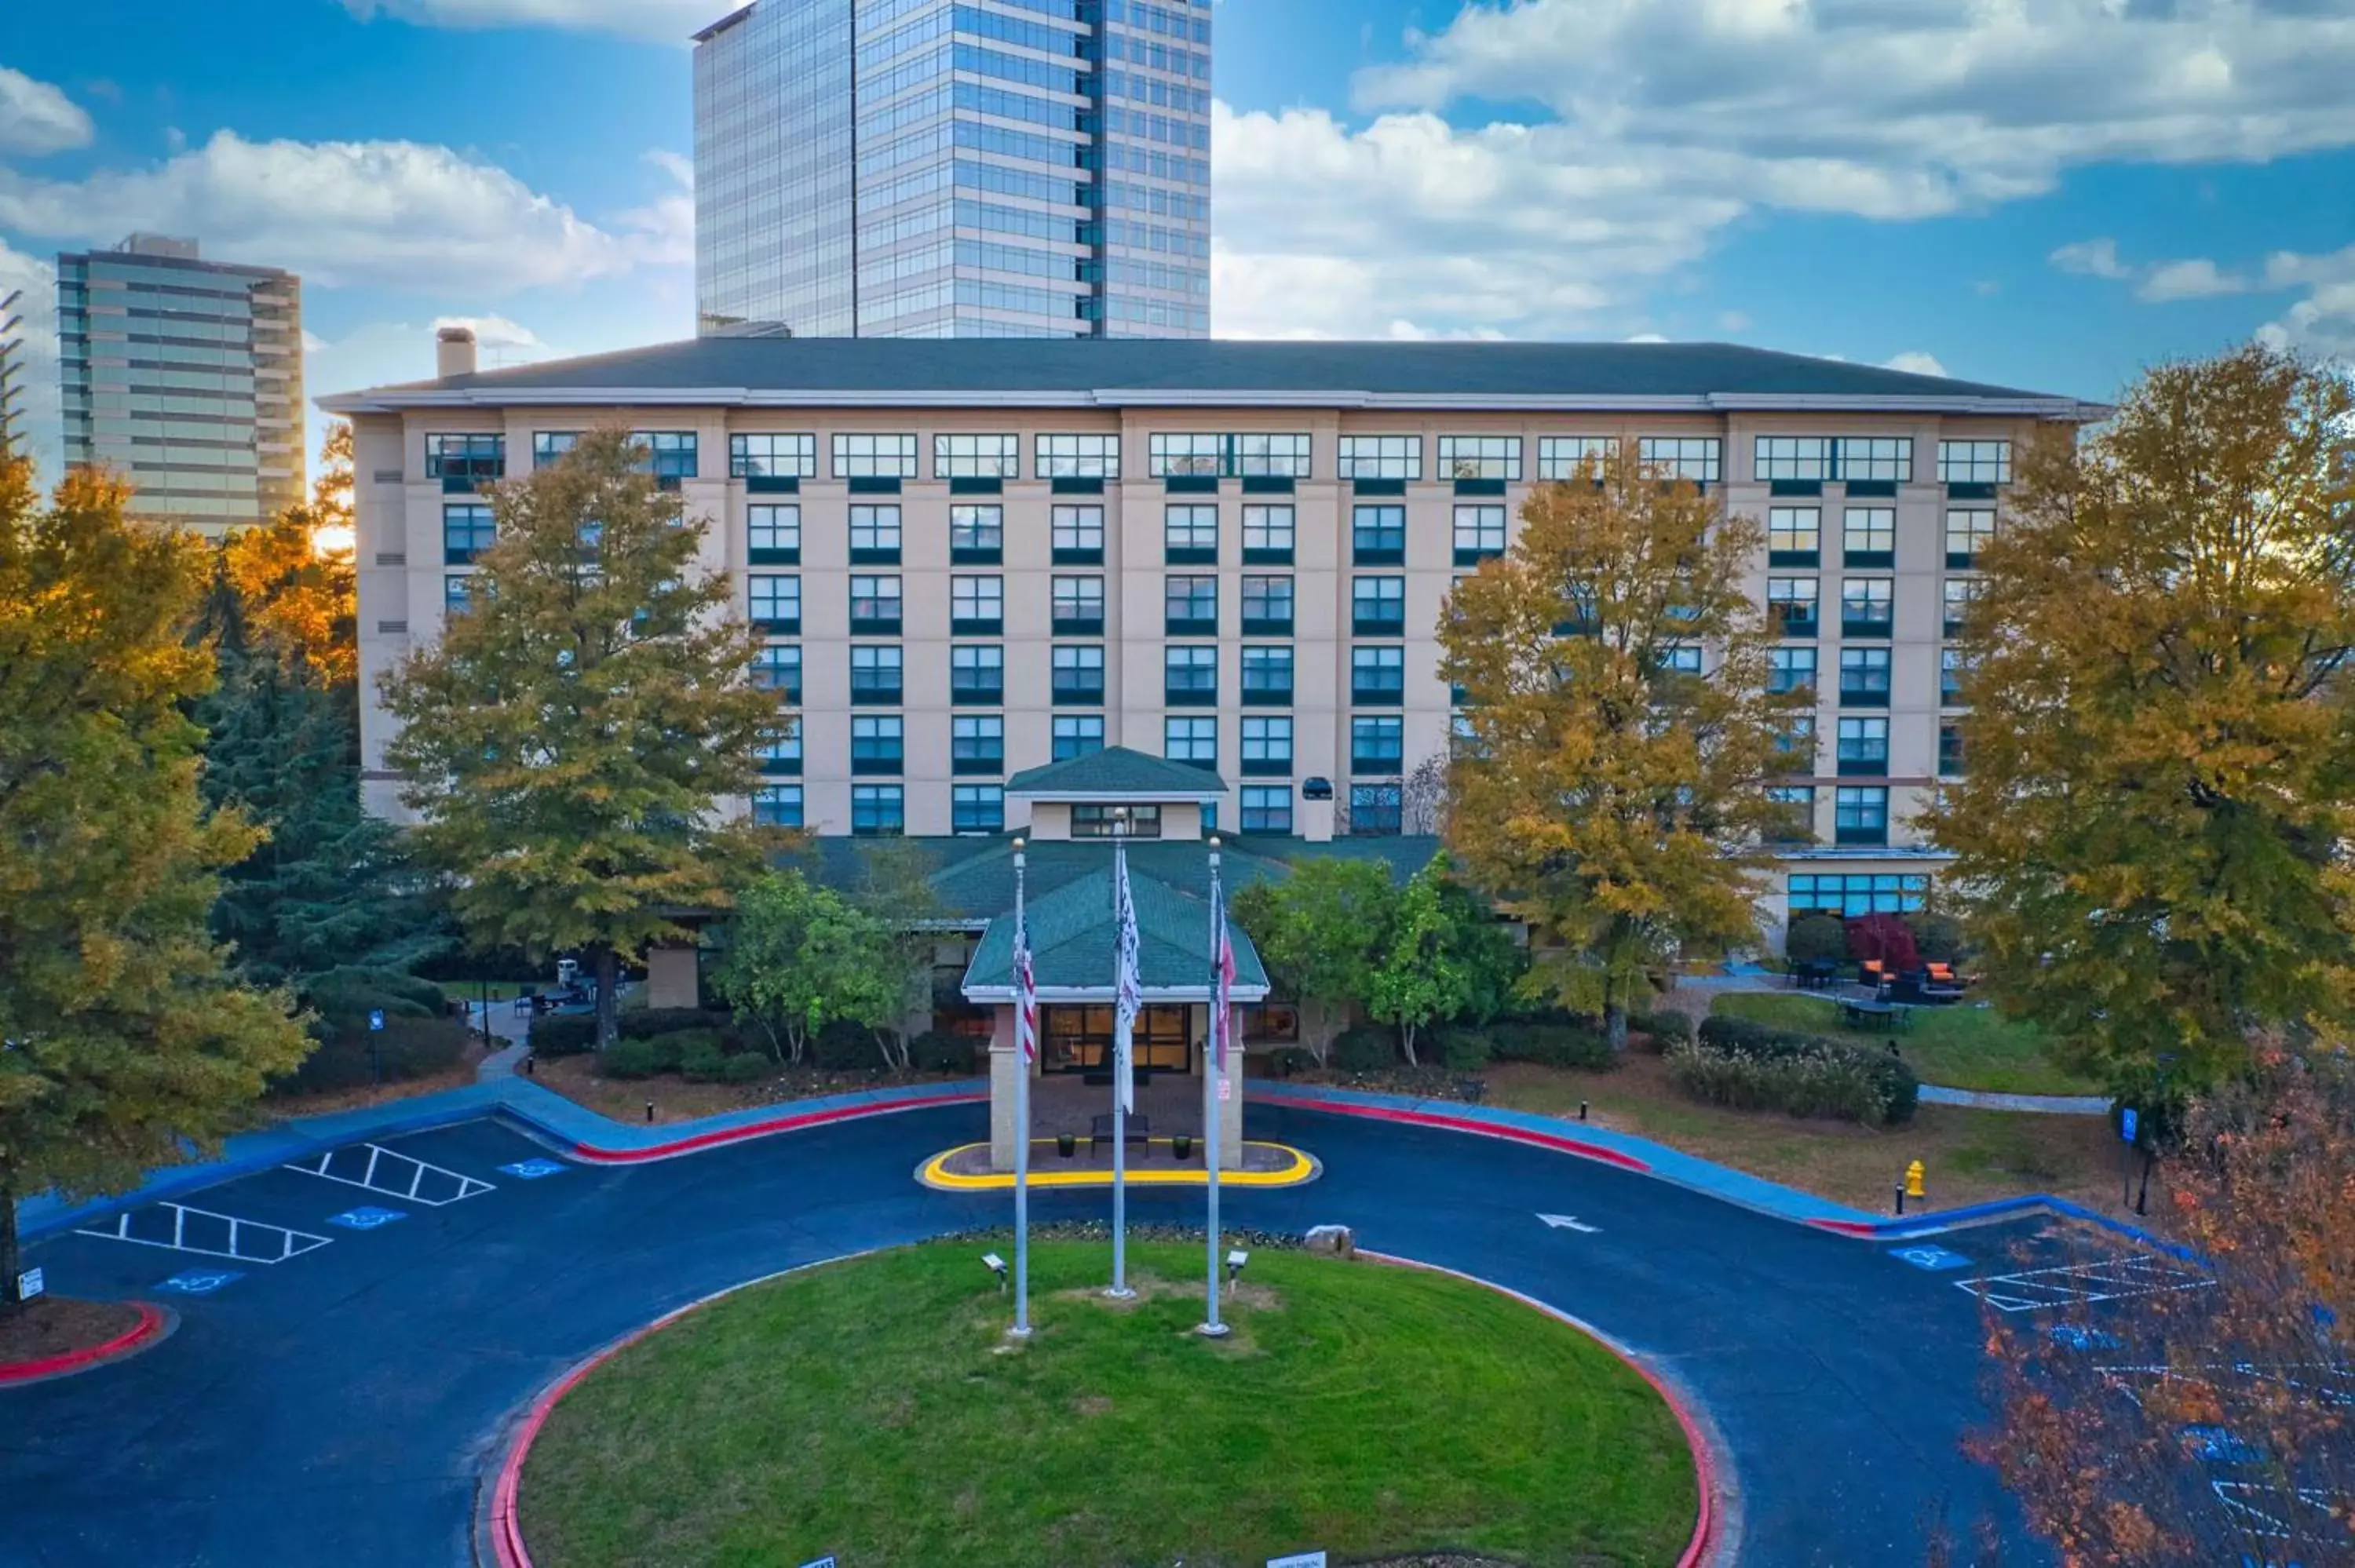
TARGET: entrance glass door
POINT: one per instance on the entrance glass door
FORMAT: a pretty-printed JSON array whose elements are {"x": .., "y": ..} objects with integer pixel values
[{"x": 1078, "y": 1039}]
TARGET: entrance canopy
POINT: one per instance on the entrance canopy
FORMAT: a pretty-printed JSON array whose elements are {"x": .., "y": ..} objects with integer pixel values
[{"x": 1074, "y": 939}]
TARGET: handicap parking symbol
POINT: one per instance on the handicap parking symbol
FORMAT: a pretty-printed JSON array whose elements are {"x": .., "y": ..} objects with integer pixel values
[
  {"x": 1932, "y": 1257},
  {"x": 199, "y": 1281},
  {"x": 533, "y": 1169},
  {"x": 366, "y": 1219}
]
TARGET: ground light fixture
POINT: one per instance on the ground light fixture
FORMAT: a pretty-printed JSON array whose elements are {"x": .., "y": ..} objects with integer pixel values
[
  {"x": 996, "y": 1265},
  {"x": 1236, "y": 1259}
]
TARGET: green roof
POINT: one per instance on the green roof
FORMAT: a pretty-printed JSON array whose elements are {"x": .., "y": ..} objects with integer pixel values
[
  {"x": 1072, "y": 939},
  {"x": 1115, "y": 771}
]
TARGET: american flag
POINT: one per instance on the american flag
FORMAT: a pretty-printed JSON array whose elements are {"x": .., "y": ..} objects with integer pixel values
[
  {"x": 1128, "y": 986},
  {"x": 1223, "y": 1014},
  {"x": 1026, "y": 993}
]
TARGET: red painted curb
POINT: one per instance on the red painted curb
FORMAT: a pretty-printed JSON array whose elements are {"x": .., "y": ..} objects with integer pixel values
[
  {"x": 792, "y": 1121},
  {"x": 1848, "y": 1228},
  {"x": 1704, "y": 1464},
  {"x": 150, "y": 1325},
  {"x": 1466, "y": 1124}
]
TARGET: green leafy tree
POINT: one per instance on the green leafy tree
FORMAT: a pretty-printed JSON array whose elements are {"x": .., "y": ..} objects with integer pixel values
[
  {"x": 799, "y": 957},
  {"x": 1319, "y": 931},
  {"x": 571, "y": 742},
  {"x": 895, "y": 890},
  {"x": 124, "y": 1037},
  {"x": 1443, "y": 958},
  {"x": 1612, "y": 798},
  {"x": 2151, "y": 839}
]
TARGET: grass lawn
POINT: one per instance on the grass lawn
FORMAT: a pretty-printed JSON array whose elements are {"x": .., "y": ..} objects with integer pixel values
[
  {"x": 874, "y": 1410},
  {"x": 1972, "y": 1156},
  {"x": 1961, "y": 1047}
]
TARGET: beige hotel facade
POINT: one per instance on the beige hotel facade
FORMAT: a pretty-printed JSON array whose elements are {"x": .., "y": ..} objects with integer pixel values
[{"x": 973, "y": 557}]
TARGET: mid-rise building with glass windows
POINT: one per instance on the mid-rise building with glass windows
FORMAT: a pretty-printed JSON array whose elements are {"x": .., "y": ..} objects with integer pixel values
[
  {"x": 935, "y": 168},
  {"x": 186, "y": 376},
  {"x": 972, "y": 560}
]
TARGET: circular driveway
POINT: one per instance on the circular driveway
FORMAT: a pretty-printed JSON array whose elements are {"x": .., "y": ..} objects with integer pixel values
[{"x": 344, "y": 1398}]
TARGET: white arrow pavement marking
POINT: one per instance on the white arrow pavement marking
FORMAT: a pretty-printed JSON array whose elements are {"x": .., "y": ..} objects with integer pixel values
[{"x": 1570, "y": 1223}]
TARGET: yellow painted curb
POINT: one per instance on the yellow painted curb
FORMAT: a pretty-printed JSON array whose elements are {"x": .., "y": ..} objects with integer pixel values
[{"x": 934, "y": 1172}]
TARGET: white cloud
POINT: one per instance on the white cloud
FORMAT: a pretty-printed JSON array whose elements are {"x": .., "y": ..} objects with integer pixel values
[
  {"x": 2091, "y": 259},
  {"x": 1913, "y": 362},
  {"x": 665, "y": 21},
  {"x": 393, "y": 213},
  {"x": 2323, "y": 323},
  {"x": 2194, "y": 278},
  {"x": 36, "y": 118}
]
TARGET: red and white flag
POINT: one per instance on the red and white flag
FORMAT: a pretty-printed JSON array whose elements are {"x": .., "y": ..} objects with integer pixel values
[
  {"x": 1222, "y": 1012},
  {"x": 1026, "y": 994}
]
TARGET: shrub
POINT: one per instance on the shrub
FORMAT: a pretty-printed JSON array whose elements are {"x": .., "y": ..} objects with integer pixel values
[
  {"x": 1938, "y": 937},
  {"x": 842, "y": 1045},
  {"x": 1552, "y": 1045},
  {"x": 1465, "y": 1050},
  {"x": 630, "y": 1059},
  {"x": 701, "y": 1054},
  {"x": 1831, "y": 1081},
  {"x": 553, "y": 1036},
  {"x": 1815, "y": 939},
  {"x": 745, "y": 1067},
  {"x": 1364, "y": 1048},
  {"x": 356, "y": 992},
  {"x": 1287, "y": 1060},
  {"x": 407, "y": 1048},
  {"x": 935, "y": 1051},
  {"x": 644, "y": 1023},
  {"x": 1896, "y": 1091},
  {"x": 1666, "y": 1028}
]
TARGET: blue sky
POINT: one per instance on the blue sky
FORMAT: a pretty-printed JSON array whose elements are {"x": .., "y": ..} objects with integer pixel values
[{"x": 2044, "y": 193}]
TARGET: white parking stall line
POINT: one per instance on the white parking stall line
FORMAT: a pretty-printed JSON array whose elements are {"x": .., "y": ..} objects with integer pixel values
[
  {"x": 387, "y": 1170},
  {"x": 176, "y": 1227},
  {"x": 2136, "y": 1274}
]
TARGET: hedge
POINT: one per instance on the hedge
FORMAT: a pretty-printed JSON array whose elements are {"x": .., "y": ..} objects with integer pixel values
[
  {"x": 1364, "y": 1048},
  {"x": 1895, "y": 1093},
  {"x": 1827, "y": 1082},
  {"x": 1551, "y": 1045},
  {"x": 1666, "y": 1028},
  {"x": 406, "y": 1048},
  {"x": 555, "y": 1035}
]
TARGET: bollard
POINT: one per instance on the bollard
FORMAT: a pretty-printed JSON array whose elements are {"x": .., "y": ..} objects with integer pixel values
[
  {"x": 1582, "y": 1110},
  {"x": 1901, "y": 1197},
  {"x": 530, "y": 1065},
  {"x": 650, "y": 1111}
]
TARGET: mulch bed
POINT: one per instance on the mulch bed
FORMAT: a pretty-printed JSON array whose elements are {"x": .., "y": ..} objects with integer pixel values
[{"x": 55, "y": 1325}]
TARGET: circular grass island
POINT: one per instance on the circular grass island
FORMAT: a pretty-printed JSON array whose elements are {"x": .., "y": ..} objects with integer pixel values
[{"x": 874, "y": 1410}]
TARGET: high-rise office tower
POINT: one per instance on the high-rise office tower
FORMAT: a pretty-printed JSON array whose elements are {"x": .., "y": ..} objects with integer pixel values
[
  {"x": 186, "y": 376},
  {"x": 928, "y": 168}
]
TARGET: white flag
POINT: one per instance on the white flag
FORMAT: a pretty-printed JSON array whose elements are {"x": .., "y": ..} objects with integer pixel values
[
  {"x": 1128, "y": 988},
  {"x": 1026, "y": 993}
]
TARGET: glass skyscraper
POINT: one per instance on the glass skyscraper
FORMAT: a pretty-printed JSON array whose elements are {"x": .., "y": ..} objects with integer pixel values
[
  {"x": 186, "y": 377},
  {"x": 928, "y": 168}
]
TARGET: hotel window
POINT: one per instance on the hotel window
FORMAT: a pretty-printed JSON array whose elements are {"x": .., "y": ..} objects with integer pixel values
[
  {"x": 1850, "y": 897},
  {"x": 1799, "y": 823},
  {"x": 877, "y": 743},
  {"x": 1867, "y": 606},
  {"x": 773, "y": 457},
  {"x": 1868, "y": 537},
  {"x": 1381, "y": 457},
  {"x": 1377, "y": 744},
  {"x": 1267, "y": 677},
  {"x": 1378, "y": 606},
  {"x": 1078, "y": 735},
  {"x": 1968, "y": 533},
  {"x": 977, "y": 457},
  {"x": 976, "y": 535},
  {"x": 466, "y": 533},
  {"x": 977, "y": 673},
  {"x": 1952, "y": 669},
  {"x": 875, "y": 535},
  {"x": 772, "y": 536},
  {"x": 1267, "y": 809},
  {"x": 1959, "y": 592},
  {"x": 977, "y": 606},
  {"x": 1480, "y": 457},
  {"x": 1378, "y": 535},
  {"x": 1794, "y": 535},
  {"x": 670, "y": 456},
  {"x": 1267, "y": 535},
  {"x": 1696, "y": 458},
  {"x": 1950, "y": 750},
  {"x": 1864, "y": 677},
  {"x": 777, "y": 806},
  {"x": 874, "y": 607},
  {"x": 1191, "y": 535},
  {"x": 976, "y": 743},
  {"x": 1860, "y": 813},
  {"x": 1791, "y": 606},
  {"x": 552, "y": 446},
  {"x": 1078, "y": 607},
  {"x": 1079, "y": 674},
  {"x": 1807, "y": 459},
  {"x": 1078, "y": 538},
  {"x": 778, "y": 668},
  {"x": 977, "y": 808},
  {"x": 782, "y": 752},
  {"x": 1267, "y": 607},
  {"x": 1790, "y": 669},
  {"x": 1190, "y": 676},
  {"x": 1680, "y": 660},
  {"x": 1188, "y": 454},
  {"x": 1974, "y": 462},
  {"x": 1378, "y": 675},
  {"x": 473, "y": 459},
  {"x": 1863, "y": 745},
  {"x": 1796, "y": 740},
  {"x": 1374, "y": 810},
  {"x": 1192, "y": 740},
  {"x": 1480, "y": 534},
  {"x": 1190, "y": 607},
  {"x": 776, "y": 604},
  {"x": 1078, "y": 457},
  {"x": 875, "y": 674},
  {"x": 1284, "y": 456},
  {"x": 1566, "y": 457},
  {"x": 1100, "y": 821},
  {"x": 878, "y": 810},
  {"x": 1267, "y": 745},
  {"x": 1877, "y": 460},
  {"x": 457, "y": 593},
  {"x": 874, "y": 457}
]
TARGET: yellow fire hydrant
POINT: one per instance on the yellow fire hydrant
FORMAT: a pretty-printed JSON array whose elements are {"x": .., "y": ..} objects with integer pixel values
[{"x": 1911, "y": 1187}]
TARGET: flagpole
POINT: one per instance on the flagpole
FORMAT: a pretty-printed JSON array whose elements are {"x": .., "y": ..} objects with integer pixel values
[
  {"x": 1214, "y": 1070},
  {"x": 1026, "y": 1038},
  {"x": 1122, "y": 1074}
]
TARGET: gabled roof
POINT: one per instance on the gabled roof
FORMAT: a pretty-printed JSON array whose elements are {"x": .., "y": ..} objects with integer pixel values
[
  {"x": 1114, "y": 774},
  {"x": 1073, "y": 940}
]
